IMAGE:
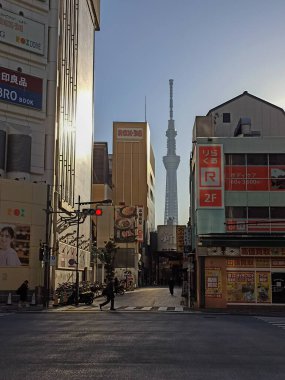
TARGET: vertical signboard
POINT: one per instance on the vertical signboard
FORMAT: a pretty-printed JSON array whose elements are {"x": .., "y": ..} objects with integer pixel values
[
  {"x": 180, "y": 238},
  {"x": 210, "y": 176},
  {"x": 140, "y": 221}
]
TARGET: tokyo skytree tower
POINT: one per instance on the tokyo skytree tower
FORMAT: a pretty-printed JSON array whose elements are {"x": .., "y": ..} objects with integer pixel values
[{"x": 171, "y": 162}]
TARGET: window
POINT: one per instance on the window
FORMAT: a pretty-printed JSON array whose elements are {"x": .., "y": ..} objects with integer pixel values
[
  {"x": 226, "y": 117},
  {"x": 235, "y": 159},
  {"x": 257, "y": 159},
  {"x": 276, "y": 159},
  {"x": 277, "y": 212},
  {"x": 258, "y": 213},
  {"x": 236, "y": 212}
]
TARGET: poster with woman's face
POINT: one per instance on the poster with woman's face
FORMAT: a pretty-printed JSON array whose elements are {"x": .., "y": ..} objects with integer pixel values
[{"x": 14, "y": 245}]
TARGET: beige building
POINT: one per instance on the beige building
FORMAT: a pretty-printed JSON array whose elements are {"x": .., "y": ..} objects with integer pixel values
[
  {"x": 46, "y": 132},
  {"x": 133, "y": 177}
]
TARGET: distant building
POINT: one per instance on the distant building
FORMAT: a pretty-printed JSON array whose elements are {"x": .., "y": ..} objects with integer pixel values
[{"x": 237, "y": 187}]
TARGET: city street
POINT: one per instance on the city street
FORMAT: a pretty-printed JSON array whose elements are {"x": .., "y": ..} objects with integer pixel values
[{"x": 133, "y": 344}]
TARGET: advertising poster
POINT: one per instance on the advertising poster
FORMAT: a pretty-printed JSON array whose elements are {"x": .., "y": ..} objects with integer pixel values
[
  {"x": 210, "y": 176},
  {"x": 241, "y": 287},
  {"x": 263, "y": 286},
  {"x": 14, "y": 245},
  {"x": 166, "y": 238},
  {"x": 125, "y": 223},
  {"x": 254, "y": 178},
  {"x": 213, "y": 284},
  {"x": 21, "y": 89},
  {"x": 22, "y": 32}
]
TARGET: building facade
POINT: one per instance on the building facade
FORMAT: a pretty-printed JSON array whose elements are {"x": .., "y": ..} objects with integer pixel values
[
  {"x": 133, "y": 177},
  {"x": 237, "y": 186},
  {"x": 46, "y": 132}
]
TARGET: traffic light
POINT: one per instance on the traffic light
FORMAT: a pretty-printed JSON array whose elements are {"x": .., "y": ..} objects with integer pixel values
[
  {"x": 92, "y": 211},
  {"x": 98, "y": 212}
]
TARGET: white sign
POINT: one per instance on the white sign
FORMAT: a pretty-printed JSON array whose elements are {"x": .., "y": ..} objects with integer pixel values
[
  {"x": 133, "y": 134},
  {"x": 52, "y": 261},
  {"x": 166, "y": 238},
  {"x": 21, "y": 32}
]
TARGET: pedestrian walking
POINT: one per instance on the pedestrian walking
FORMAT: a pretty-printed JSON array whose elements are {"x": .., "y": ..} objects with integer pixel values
[
  {"x": 171, "y": 285},
  {"x": 116, "y": 285},
  {"x": 109, "y": 293},
  {"x": 23, "y": 293}
]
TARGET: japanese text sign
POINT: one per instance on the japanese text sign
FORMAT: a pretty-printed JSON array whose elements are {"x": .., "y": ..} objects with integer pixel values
[
  {"x": 21, "y": 89},
  {"x": 210, "y": 176}
]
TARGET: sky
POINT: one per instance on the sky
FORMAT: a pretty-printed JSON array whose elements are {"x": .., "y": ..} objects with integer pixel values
[{"x": 214, "y": 50}]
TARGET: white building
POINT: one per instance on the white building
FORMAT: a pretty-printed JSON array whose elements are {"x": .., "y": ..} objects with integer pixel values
[{"x": 46, "y": 132}]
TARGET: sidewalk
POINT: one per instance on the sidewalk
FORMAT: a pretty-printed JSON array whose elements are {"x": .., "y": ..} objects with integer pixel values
[{"x": 156, "y": 297}]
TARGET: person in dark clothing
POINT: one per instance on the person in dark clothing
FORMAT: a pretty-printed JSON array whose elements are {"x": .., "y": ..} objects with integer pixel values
[
  {"x": 171, "y": 285},
  {"x": 23, "y": 293},
  {"x": 116, "y": 285},
  {"x": 109, "y": 292}
]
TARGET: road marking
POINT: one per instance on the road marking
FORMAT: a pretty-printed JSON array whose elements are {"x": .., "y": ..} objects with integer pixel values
[
  {"x": 162, "y": 308},
  {"x": 146, "y": 308},
  {"x": 130, "y": 308},
  {"x": 179, "y": 308},
  {"x": 273, "y": 321}
]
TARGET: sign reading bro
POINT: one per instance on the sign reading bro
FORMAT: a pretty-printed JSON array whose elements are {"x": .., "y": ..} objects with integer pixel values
[{"x": 21, "y": 89}]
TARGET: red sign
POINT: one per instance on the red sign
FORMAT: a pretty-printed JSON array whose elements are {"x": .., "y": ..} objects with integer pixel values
[
  {"x": 254, "y": 178},
  {"x": 210, "y": 176}
]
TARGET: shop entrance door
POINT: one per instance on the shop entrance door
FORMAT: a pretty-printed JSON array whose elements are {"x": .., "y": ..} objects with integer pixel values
[{"x": 278, "y": 287}]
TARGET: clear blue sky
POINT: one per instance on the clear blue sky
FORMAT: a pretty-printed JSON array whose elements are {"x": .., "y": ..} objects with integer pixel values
[{"x": 213, "y": 49}]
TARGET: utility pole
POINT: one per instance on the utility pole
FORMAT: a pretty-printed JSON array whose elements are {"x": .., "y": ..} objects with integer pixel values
[
  {"x": 46, "y": 247},
  {"x": 77, "y": 254}
]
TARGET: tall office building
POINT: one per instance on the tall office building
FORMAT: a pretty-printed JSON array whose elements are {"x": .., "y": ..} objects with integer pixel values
[
  {"x": 46, "y": 131},
  {"x": 133, "y": 175},
  {"x": 171, "y": 162}
]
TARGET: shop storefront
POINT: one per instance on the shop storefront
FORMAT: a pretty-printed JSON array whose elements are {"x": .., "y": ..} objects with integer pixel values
[{"x": 254, "y": 276}]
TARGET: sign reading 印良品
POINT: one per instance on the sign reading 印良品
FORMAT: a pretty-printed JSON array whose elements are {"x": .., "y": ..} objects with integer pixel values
[{"x": 21, "y": 89}]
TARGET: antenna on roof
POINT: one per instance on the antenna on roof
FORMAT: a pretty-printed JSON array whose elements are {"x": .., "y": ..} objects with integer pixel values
[{"x": 145, "y": 108}]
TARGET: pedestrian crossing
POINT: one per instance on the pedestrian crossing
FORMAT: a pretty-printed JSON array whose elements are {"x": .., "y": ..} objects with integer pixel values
[
  {"x": 4, "y": 314},
  {"x": 94, "y": 308},
  {"x": 274, "y": 321}
]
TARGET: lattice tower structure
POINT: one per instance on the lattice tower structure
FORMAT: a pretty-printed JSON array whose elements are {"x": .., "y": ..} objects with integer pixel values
[{"x": 171, "y": 162}]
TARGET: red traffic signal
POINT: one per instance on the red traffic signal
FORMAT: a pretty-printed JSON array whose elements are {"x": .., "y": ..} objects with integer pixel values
[{"x": 98, "y": 212}]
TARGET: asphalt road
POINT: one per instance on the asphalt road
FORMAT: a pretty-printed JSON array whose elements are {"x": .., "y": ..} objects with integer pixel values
[{"x": 140, "y": 345}]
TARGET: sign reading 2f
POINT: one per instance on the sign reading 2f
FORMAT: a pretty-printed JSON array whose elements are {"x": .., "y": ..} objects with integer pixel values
[{"x": 210, "y": 176}]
